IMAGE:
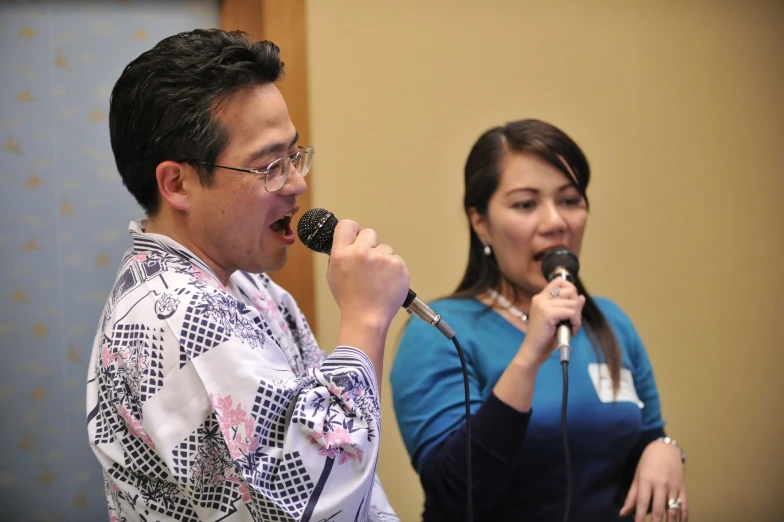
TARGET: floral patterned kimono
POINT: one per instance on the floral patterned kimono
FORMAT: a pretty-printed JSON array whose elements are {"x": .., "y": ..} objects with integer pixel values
[{"x": 209, "y": 403}]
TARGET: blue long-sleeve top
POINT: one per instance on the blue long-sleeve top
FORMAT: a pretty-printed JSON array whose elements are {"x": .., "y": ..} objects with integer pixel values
[{"x": 518, "y": 464}]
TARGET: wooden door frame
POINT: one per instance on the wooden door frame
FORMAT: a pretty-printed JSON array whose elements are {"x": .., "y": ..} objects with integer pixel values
[{"x": 283, "y": 22}]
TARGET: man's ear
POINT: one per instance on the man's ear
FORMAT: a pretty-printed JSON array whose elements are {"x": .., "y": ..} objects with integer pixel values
[
  {"x": 479, "y": 224},
  {"x": 174, "y": 179}
]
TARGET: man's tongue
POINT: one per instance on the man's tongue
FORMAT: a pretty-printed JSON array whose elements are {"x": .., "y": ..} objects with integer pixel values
[{"x": 282, "y": 226}]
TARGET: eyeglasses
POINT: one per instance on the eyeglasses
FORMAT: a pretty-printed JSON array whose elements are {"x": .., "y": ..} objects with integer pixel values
[{"x": 276, "y": 173}]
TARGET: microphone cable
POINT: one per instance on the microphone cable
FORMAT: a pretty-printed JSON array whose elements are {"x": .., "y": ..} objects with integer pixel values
[
  {"x": 565, "y": 438},
  {"x": 469, "y": 488}
]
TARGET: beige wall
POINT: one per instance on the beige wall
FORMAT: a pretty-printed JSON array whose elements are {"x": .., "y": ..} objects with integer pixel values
[{"x": 679, "y": 107}]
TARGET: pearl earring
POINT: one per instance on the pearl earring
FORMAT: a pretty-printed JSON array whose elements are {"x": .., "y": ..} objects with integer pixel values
[{"x": 488, "y": 251}]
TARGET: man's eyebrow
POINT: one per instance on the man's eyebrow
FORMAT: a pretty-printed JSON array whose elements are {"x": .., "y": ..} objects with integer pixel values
[{"x": 272, "y": 147}]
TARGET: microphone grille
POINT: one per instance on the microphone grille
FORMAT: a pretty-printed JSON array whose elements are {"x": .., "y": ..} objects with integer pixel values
[
  {"x": 315, "y": 229},
  {"x": 559, "y": 257}
]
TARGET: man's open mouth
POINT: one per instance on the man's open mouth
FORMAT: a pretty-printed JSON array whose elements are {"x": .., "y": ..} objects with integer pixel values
[{"x": 283, "y": 225}]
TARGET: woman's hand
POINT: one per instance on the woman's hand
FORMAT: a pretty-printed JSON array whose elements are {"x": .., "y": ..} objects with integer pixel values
[
  {"x": 659, "y": 477},
  {"x": 559, "y": 301}
]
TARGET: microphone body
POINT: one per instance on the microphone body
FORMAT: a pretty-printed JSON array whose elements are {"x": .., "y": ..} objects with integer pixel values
[
  {"x": 316, "y": 228},
  {"x": 561, "y": 263}
]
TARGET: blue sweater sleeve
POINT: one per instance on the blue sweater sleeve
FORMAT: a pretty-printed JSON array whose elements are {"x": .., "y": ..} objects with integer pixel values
[
  {"x": 494, "y": 454},
  {"x": 640, "y": 365},
  {"x": 428, "y": 396},
  {"x": 427, "y": 385},
  {"x": 644, "y": 384}
]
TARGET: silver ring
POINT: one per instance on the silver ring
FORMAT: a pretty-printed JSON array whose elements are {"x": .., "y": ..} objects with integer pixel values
[
  {"x": 555, "y": 292},
  {"x": 674, "y": 503}
]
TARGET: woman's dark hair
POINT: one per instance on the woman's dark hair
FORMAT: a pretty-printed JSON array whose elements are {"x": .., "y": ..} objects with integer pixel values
[
  {"x": 163, "y": 107},
  {"x": 482, "y": 176}
]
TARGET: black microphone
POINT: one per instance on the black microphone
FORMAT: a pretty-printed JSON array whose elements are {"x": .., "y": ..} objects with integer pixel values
[
  {"x": 315, "y": 230},
  {"x": 560, "y": 262}
]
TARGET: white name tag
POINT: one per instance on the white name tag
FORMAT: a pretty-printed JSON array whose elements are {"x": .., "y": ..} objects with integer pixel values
[{"x": 600, "y": 375}]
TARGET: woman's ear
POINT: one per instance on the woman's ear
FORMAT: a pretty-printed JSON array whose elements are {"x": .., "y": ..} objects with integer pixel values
[{"x": 479, "y": 224}]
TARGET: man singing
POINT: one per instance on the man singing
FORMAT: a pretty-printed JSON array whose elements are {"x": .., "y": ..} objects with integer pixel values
[{"x": 208, "y": 397}]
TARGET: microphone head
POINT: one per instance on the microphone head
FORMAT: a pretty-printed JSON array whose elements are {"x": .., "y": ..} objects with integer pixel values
[
  {"x": 315, "y": 229},
  {"x": 560, "y": 258}
]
